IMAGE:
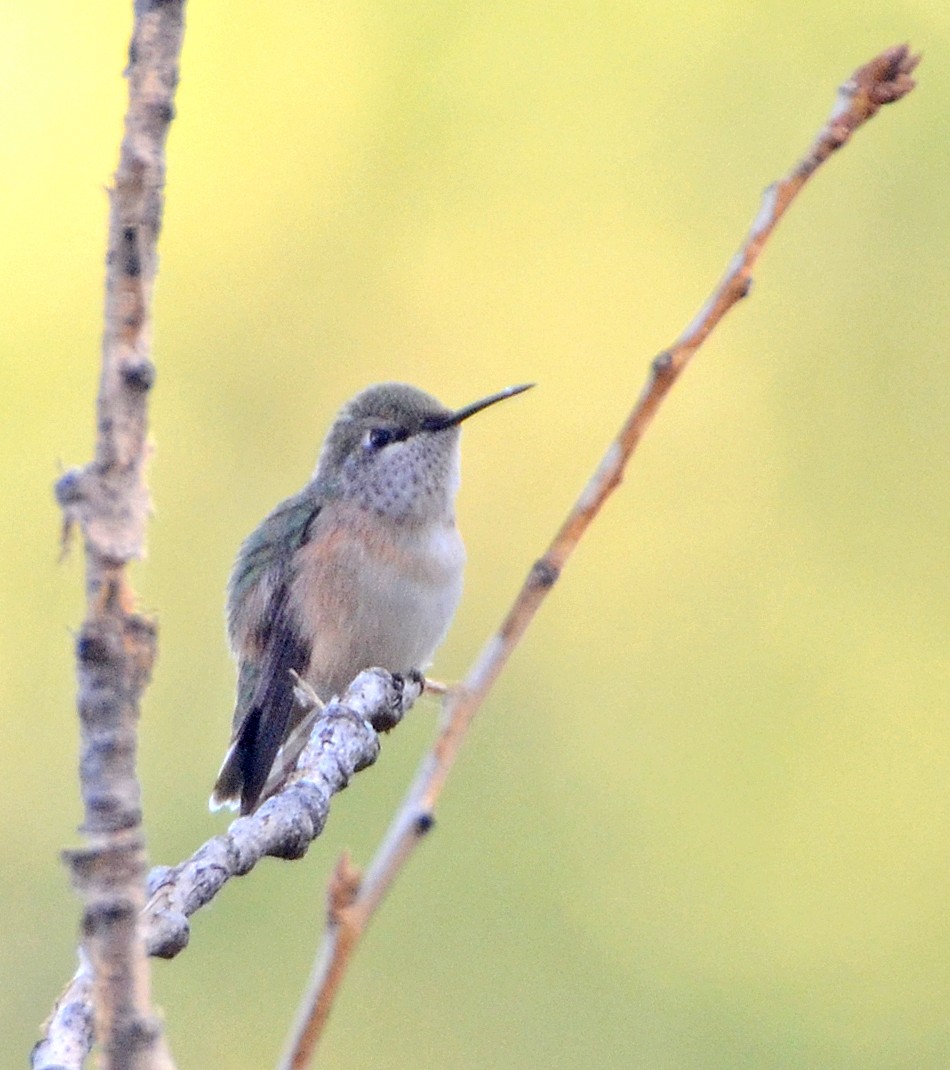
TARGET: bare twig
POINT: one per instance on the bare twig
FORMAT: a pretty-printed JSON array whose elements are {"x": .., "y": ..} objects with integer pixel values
[
  {"x": 885, "y": 79},
  {"x": 343, "y": 741},
  {"x": 108, "y": 500}
]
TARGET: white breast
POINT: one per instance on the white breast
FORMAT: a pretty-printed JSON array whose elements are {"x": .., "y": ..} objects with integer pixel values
[{"x": 387, "y": 600}]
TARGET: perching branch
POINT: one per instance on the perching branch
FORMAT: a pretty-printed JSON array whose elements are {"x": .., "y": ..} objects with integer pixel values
[
  {"x": 885, "y": 79},
  {"x": 343, "y": 741},
  {"x": 108, "y": 501}
]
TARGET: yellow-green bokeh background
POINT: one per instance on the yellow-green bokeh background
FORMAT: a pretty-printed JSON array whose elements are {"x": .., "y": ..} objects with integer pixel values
[{"x": 704, "y": 821}]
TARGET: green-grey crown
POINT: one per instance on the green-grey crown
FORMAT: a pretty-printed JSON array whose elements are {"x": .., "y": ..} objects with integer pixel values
[
  {"x": 397, "y": 403},
  {"x": 394, "y": 412},
  {"x": 395, "y": 407}
]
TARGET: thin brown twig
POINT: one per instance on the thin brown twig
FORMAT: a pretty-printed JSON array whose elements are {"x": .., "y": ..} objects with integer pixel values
[
  {"x": 108, "y": 501},
  {"x": 342, "y": 893},
  {"x": 885, "y": 79}
]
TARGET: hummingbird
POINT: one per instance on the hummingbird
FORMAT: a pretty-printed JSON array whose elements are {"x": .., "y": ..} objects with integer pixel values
[{"x": 361, "y": 568}]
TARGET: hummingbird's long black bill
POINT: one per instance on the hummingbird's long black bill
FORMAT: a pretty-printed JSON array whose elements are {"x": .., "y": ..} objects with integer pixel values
[{"x": 455, "y": 418}]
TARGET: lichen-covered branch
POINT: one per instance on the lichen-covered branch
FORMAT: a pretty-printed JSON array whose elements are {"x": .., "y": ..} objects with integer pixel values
[
  {"x": 108, "y": 501},
  {"x": 68, "y": 1032},
  {"x": 344, "y": 740},
  {"x": 885, "y": 79}
]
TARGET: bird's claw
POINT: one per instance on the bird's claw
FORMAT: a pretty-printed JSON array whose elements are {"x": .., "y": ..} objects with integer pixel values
[{"x": 304, "y": 694}]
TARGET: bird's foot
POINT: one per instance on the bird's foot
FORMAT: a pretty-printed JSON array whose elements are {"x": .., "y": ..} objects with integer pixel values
[
  {"x": 304, "y": 694},
  {"x": 435, "y": 687}
]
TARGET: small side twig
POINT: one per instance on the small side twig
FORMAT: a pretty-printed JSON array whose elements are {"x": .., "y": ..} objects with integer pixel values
[
  {"x": 108, "y": 501},
  {"x": 885, "y": 79},
  {"x": 345, "y": 927}
]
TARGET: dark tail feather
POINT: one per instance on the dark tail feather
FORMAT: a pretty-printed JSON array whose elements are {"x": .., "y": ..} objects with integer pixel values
[
  {"x": 226, "y": 793},
  {"x": 257, "y": 746},
  {"x": 250, "y": 757},
  {"x": 240, "y": 781},
  {"x": 259, "y": 738}
]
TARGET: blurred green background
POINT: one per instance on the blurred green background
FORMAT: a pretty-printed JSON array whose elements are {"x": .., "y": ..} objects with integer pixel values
[{"x": 704, "y": 821}]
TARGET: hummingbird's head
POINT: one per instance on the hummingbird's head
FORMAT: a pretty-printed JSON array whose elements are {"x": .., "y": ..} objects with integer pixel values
[{"x": 395, "y": 450}]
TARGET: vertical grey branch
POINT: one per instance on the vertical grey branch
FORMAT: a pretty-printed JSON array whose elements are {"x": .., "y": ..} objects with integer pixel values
[{"x": 108, "y": 501}]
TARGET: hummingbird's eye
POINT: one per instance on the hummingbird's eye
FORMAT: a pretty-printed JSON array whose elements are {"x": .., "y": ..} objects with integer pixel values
[{"x": 378, "y": 437}]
